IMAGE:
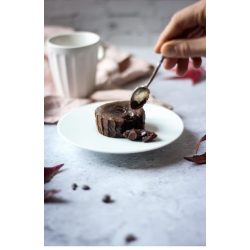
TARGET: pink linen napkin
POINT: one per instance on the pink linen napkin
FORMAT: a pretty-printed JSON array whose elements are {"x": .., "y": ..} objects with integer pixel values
[
  {"x": 118, "y": 68},
  {"x": 115, "y": 70},
  {"x": 55, "y": 107}
]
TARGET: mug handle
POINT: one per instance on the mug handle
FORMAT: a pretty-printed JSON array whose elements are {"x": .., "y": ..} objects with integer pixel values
[{"x": 101, "y": 51}]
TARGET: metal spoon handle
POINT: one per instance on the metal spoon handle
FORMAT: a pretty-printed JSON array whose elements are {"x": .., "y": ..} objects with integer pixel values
[{"x": 155, "y": 71}]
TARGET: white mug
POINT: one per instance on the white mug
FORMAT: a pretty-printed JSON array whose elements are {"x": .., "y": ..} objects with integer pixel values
[{"x": 73, "y": 59}]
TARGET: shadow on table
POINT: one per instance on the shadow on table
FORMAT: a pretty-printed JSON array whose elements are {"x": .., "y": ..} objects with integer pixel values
[{"x": 169, "y": 155}]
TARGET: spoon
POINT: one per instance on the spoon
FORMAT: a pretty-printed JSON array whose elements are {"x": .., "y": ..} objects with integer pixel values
[{"x": 141, "y": 94}]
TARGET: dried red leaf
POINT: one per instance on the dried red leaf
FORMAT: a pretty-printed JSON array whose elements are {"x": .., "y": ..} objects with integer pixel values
[
  {"x": 192, "y": 73},
  {"x": 49, "y": 173},
  {"x": 202, "y": 139},
  {"x": 49, "y": 193},
  {"x": 199, "y": 159}
]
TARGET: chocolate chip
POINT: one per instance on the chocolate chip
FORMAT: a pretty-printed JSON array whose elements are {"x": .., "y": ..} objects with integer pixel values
[
  {"x": 74, "y": 186},
  {"x": 85, "y": 187},
  {"x": 139, "y": 134},
  {"x": 130, "y": 238},
  {"x": 107, "y": 199}
]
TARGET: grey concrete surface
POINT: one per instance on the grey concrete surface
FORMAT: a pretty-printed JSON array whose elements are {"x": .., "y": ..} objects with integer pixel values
[{"x": 159, "y": 197}]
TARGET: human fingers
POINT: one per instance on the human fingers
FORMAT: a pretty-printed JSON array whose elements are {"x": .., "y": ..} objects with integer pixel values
[
  {"x": 170, "y": 63},
  {"x": 196, "y": 62},
  {"x": 182, "y": 66},
  {"x": 185, "y": 19},
  {"x": 197, "y": 33},
  {"x": 184, "y": 48}
]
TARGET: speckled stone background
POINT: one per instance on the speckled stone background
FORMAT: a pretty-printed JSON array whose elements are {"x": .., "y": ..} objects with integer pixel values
[{"x": 159, "y": 197}]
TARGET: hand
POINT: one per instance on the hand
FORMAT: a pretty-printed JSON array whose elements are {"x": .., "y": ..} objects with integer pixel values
[{"x": 184, "y": 38}]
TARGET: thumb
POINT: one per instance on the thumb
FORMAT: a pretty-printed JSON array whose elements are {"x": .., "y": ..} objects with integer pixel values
[{"x": 184, "y": 48}]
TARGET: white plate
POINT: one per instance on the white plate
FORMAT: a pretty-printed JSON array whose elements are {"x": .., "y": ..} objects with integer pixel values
[{"x": 79, "y": 128}]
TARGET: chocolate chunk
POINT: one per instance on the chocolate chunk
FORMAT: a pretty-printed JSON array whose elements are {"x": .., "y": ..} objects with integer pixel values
[
  {"x": 85, "y": 187},
  {"x": 131, "y": 134},
  {"x": 74, "y": 186},
  {"x": 139, "y": 134},
  {"x": 149, "y": 137},
  {"x": 113, "y": 119},
  {"x": 130, "y": 238},
  {"x": 107, "y": 199}
]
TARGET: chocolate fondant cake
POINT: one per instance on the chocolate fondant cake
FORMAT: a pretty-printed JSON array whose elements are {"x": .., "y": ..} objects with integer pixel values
[{"x": 113, "y": 119}]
